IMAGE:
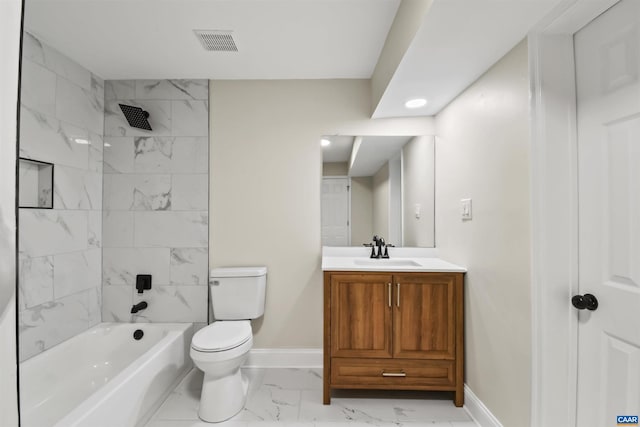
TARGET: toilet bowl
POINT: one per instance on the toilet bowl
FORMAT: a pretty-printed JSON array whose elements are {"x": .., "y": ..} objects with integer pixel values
[{"x": 220, "y": 349}]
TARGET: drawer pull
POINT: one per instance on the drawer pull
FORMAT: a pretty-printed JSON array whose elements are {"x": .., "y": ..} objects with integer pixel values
[
  {"x": 389, "y": 288},
  {"x": 394, "y": 374}
]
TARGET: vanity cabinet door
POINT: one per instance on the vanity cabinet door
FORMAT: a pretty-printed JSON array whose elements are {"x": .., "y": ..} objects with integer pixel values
[
  {"x": 361, "y": 315},
  {"x": 424, "y": 316}
]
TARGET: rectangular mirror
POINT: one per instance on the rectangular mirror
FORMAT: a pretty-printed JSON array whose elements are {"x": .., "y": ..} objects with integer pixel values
[
  {"x": 378, "y": 185},
  {"x": 36, "y": 184}
]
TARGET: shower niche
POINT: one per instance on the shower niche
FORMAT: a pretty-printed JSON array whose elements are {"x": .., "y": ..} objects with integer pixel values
[{"x": 35, "y": 184}]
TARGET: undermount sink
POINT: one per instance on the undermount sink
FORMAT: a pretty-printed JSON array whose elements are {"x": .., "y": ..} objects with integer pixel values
[{"x": 386, "y": 262}]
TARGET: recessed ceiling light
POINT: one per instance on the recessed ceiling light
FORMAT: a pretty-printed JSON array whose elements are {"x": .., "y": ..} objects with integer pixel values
[
  {"x": 81, "y": 141},
  {"x": 415, "y": 103},
  {"x": 325, "y": 142}
]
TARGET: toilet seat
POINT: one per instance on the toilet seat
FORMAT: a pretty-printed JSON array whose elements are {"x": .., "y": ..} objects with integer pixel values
[{"x": 222, "y": 336}]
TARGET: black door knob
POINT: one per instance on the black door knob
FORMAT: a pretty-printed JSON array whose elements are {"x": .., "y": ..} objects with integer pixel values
[{"x": 588, "y": 301}]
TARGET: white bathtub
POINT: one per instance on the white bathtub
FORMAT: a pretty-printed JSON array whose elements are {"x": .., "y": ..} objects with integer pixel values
[{"x": 103, "y": 377}]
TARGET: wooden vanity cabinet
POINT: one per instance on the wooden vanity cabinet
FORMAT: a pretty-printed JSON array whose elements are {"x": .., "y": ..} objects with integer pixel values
[{"x": 400, "y": 331}]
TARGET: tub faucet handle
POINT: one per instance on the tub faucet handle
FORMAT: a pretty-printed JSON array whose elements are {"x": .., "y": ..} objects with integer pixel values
[{"x": 143, "y": 282}]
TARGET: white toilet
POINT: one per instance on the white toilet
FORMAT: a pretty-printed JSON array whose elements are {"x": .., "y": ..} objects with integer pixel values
[{"x": 237, "y": 294}]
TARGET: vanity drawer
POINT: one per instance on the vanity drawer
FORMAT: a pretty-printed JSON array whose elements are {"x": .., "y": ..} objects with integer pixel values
[{"x": 393, "y": 373}]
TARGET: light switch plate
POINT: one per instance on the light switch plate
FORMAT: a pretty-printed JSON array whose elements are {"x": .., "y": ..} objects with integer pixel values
[{"x": 465, "y": 209}]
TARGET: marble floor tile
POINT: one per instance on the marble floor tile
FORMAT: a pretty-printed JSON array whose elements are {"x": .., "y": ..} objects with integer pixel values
[
  {"x": 192, "y": 381},
  {"x": 370, "y": 411},
  {"x": 256, "y": 379},
  {"x": 182, "y": 404},
  {"x": 293, "y": 398},
  {"x": 269, "y": 403},
  {"x": 432, "y": 409},
  {"x": 407, "y": 406},
  {"x": 192, "y": 423},
  {"x": 343, "y": 424},
  {"x": 279, "y": 424},
  {"x": 383, "y": 424}
]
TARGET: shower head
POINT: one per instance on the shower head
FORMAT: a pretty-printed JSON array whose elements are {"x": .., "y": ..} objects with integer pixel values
[{"x": 136, "y": 116}]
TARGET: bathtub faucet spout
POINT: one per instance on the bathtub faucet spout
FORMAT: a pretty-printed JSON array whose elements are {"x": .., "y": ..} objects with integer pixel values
[{"x": 139, "y": 306}]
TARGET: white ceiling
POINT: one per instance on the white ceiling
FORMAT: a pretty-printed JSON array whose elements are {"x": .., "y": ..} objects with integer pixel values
[
  {"x": 289, "y": 39},
  {"x": 457, "y": 42},
  {"x": 339, "y": 150},
  {"x": 276, "y": 39},
  {"x": 374, "y": 152}
]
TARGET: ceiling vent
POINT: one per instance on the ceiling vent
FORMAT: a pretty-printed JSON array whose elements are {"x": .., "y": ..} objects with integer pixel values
[{"x": 216, "y": 40}]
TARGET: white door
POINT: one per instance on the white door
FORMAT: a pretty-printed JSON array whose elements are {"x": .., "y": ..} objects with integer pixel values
[
  {"x": 607, "y": 53},
  {"x": 336, "y": 230}
]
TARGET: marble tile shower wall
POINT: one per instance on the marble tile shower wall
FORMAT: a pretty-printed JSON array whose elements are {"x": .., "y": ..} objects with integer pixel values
[
  {"x": 61, "y": 122},
  {"x": 155, "y": 216}
]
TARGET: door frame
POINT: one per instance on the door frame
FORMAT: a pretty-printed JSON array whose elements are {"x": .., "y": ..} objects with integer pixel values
[{"x": 554, "y": 211}]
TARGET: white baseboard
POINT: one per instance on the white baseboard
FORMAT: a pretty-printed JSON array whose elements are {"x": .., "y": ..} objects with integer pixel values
[
  {"x": 284, "y": 358},
  {"x": 480, "y": 413}
]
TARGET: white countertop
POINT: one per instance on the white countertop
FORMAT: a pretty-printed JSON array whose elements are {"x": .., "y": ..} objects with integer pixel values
[{"x": 400, "y": 260}]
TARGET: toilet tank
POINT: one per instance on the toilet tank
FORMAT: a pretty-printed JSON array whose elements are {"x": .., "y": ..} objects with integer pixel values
[{"x": 238, "y": 292}]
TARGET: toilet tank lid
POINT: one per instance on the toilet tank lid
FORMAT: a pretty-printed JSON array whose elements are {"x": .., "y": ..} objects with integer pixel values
[{"x": 238, "y": 272}]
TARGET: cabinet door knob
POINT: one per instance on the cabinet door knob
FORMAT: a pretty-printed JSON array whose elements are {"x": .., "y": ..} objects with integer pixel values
[
  {"x": 398, "y": 299},
  {"x": 389, "y": 289}
]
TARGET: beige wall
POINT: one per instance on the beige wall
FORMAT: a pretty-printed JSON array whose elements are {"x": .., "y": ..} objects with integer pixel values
[
  {"x": 395, "y": 201},
  {"x": 266, "y": 170},
  {"x": 418, "y": 175},
  {"x": 482, "y": 152},
  {"x": 381, "y": 202},
  {"x": 361, "y": 210},
  {"x": 10, "y": 11},
  {"x": 335, "y": 169}
]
